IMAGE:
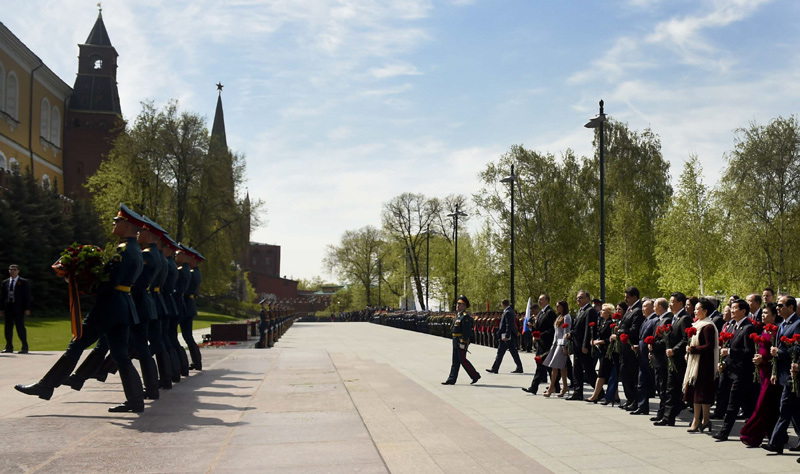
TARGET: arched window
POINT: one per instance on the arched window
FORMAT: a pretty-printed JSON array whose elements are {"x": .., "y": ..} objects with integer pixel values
[
  {"x": 55, "y": 126},
  {"x": 12, "y": 95},
  {"x": 45, "y": 181},
  {"x": 44, "y": 120},
  {"x": 3, "y": 162}
]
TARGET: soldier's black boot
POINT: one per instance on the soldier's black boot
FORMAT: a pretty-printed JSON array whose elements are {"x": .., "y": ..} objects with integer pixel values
[
  {"x": 164, "y": 370},
  {"x": 194, "y": 352},
  {"x": 184, "y": 361},
  {"x": 134, "y": 396},
  {"x": 175, "y": 367},
  {"x": 88, "y": 367},
  {"x": 150, "y": 378},
  {"x": 107, "y": 367},
  {"x": 52, "y": 379}
]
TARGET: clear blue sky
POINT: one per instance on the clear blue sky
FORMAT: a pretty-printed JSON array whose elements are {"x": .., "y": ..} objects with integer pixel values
[{"x": 341, "y": 105}]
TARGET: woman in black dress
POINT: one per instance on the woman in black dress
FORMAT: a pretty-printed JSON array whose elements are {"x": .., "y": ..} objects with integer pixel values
[
  {"x": 600, "y": 341},
  {"x": 702, "y": 355}
]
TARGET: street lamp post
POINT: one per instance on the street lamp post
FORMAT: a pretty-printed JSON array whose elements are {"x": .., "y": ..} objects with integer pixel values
[
  {"x": 427, "y": 265},
  {"x": 380, "y": 277},
  {"x": 597, "y": 122},
  {"x": 511, "y": 179},
  {"x": 455, "y": 215}
]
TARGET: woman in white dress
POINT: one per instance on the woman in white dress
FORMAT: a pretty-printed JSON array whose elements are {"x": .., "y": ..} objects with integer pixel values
[{"x": 558, "y": 356}]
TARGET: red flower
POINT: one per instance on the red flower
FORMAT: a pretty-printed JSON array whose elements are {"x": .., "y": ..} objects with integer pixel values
[
  {"x": 765, "y": 339},
  {"x": 613, "y": 325},
  {"x": 649, "y": 340},
  {"x": 564, "y": 326},
  {"x": 624, "y": 338},
  {"x": 691, "y": 331},
  {"x": 617, "y": 316},
  {"x": 771, "y": 328},
  {"x": 592, "y": 324},
  {"x": 755, "y": 338},
  {"x": 538, "y": 359},
  {"x": 786, "y": 340},
  {"x": 796, "y": 339},
  {"x": 536, "y": 334},
  {"x": 725, "y": 336}
]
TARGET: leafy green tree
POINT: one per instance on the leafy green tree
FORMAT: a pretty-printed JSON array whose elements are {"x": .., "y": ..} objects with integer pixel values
[
  {"x": 356, "y": 258},
  {"x": 690, "y": 243},
  {"x": 761, "y": 197}
]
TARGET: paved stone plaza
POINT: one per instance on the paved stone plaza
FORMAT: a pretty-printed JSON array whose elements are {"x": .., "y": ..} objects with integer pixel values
[{"x": 344, "y": 397}]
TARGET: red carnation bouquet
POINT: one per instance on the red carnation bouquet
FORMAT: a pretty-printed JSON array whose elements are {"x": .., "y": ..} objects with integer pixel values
[
  {"x": 770, "y": 332},
  {"x": 757, "y": 341},
  {"x": 538, "y": 359},
  {"x": 794, "y": 348},
  {"x": 650, "y": 340},
  {"x": 613, "y": 346}
]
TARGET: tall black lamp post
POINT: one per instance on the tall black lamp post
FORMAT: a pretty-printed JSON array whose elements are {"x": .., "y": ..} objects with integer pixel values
[
  {"x": 510, "y": 179},
  {"x": 597, "y": 122},
  {"x": 455, "y": 215},
  {"x": 427, "y": 265}
]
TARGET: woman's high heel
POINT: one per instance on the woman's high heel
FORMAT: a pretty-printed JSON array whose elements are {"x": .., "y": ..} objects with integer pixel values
[
  {"x": 693, "y": 430},
  {"x": 563, "y": 392},
  {"x": 706, "y": 425},
  {"x": 607, "y": 402},
  {"x": 547, "y": 393},
  {"x": 589, "y": 400}
]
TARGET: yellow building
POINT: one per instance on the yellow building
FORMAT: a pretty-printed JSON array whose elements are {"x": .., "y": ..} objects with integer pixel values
[{"x": 32, "y": 110}]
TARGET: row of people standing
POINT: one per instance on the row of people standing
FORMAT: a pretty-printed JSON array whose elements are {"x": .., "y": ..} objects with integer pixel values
[{"x": 151, "y": 290}]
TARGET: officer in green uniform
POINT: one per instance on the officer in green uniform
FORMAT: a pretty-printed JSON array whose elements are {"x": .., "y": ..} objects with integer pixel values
[
  {"x": 111, "y": 315},
  {"x": 146, "y": 308},
  {"x": 195, "y": 278},
  {"x": 463, "y": 333},
  {"x": 168, "y": 246}
]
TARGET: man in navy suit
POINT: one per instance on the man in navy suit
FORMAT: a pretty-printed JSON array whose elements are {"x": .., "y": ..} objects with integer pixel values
[
  {"x": 15, "y": 304},
  {"x": 646, "y": 382},
  {"x": 738, "y": 358},
  {"x": 507, "y": 333},
  {"x": 790, "y": 403}
]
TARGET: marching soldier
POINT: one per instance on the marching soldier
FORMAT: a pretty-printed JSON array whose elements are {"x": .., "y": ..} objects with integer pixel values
[
  {"x": 462, "y": 334},
  {"x": 167, "y": 246},
  {"x": 181, "y": 283},
  {"x": 193, "y": 260},
  {"x": 113, "y": 312},
  {"x": 154, "y": 327}
]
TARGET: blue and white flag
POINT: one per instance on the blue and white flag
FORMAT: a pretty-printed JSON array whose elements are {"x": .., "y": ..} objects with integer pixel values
[{"x": 525, "y": 327}]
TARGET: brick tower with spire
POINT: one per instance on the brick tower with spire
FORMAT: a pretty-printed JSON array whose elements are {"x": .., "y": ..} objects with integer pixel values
[{"x": 93, "y": 116}]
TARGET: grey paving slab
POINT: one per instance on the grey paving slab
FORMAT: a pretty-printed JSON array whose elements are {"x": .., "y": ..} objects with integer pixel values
[{"x": 343, "y": 397}]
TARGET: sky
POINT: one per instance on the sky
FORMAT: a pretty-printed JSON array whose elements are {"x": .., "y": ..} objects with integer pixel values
[{"x": 338, "y": 106}]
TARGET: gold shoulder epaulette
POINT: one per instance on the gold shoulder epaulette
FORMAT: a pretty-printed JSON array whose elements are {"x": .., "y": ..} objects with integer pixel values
[
  {"x": 146, "y": 250},
  {"x": 123, "y": 245}
]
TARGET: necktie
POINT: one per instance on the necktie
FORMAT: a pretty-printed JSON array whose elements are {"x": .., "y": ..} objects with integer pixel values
[{"x": 11, "y": 290}]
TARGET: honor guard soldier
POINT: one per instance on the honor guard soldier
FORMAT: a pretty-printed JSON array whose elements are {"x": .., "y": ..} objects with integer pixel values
[
  {"x": 154, "y": 329},
  {"x": 110, "y": 317},
  {"x": 170, "y": 323},
  {"x": 191, "y": 308},
  {"x": 462, "y": 334},
  {"x": 181, "y": 283}
]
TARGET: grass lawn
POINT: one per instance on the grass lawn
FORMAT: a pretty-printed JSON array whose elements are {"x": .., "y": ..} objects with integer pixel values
[{"x": 54, "y": 333}]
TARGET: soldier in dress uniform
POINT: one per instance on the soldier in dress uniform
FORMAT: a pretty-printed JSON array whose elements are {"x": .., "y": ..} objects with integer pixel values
[
  {"x": 181, "y": 283},
  {"x": 154, "y": 329},
  {"x": 112, "y": 313},
  {"x": 191, "y": 308},
  {"x": 462, "y": 334},
  {"x": 167, "y": 246},
  {"x": 146, "y": 308}
]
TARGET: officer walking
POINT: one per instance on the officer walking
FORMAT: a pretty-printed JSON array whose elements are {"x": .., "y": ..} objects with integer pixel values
[{"x": 462, "y": 333}]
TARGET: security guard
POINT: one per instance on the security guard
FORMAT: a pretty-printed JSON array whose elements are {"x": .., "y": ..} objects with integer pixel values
[
  {"x": 112, "y": 313},
  {"x": 463, "y": 333}
]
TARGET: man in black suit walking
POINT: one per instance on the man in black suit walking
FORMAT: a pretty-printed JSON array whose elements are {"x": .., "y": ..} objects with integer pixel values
[
  {"x": 581, "y": 338},
  {"x": 631, "y": 324},
  {"x": 544, "y": 326},
  {"x": 507, "y": 335},
  {"x": 676, "y": 352},
  {"x": 15, "y": 304},
  {"x": 738, "y": 358}
]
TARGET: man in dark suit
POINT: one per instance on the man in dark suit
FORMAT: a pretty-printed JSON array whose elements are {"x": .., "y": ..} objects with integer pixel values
[
  {"x": 789, "y": 412},
  {"x": 631, "y": 325},
  {"x": 716, "y": 316},
  {"x": 724, "y": 381},
  {"x": 15, "y": 304},
  {"x": 676, "y": 351},
  {"x": 508, "y": 339},
  {"x": 646, "y": 382},
  {"x": 658, "y": 356},
  {"x": 754, "y": 307},
  {"x": 738, "y": 358},
  {"x": 544, "y": 325},
  {"x": 581, "y": 338}
]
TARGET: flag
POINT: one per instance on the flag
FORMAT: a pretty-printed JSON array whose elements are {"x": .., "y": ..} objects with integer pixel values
[{"x": 527, "y": 316}]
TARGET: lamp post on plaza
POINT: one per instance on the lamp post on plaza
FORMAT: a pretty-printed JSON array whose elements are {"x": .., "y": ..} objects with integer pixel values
[
  {"x": 455, "y": 215},
  {"x": 597, "y": 122},
  {"x": 510, "y": 179},
  {"x": 427, "y": 265}
]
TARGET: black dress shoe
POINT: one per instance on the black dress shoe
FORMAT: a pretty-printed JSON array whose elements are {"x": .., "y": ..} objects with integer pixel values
[
  {"x": 656, "y": 418},
  {"x": 772, "y": 448},
  {"x": 491, "y": 371},
  {"x": 447, "y": 382},
  {"x": 23, "y": 351},
  {"x": 7, "y": 351},
  {"x": 575, "y": 396},
  {"x": 640, "y": 411},
  {"x": 529, "y": 390},
  {"x": 517, "y": 371},
  {"x": 35, "y": 389},
  {"x": 475, "y": 380},
  {"x": 664, "y": 422},
  {"x": 795, "y": 449},
  {"x": 720, "y": 436}
]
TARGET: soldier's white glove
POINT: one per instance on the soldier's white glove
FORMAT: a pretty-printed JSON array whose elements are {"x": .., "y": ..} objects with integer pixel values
[{"x": 462, "y": 346}]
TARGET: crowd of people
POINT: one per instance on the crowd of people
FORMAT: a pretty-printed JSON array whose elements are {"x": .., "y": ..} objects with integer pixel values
[
  {"x": 149, "y": 295},
  {"x": 737, "y": 363}
]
